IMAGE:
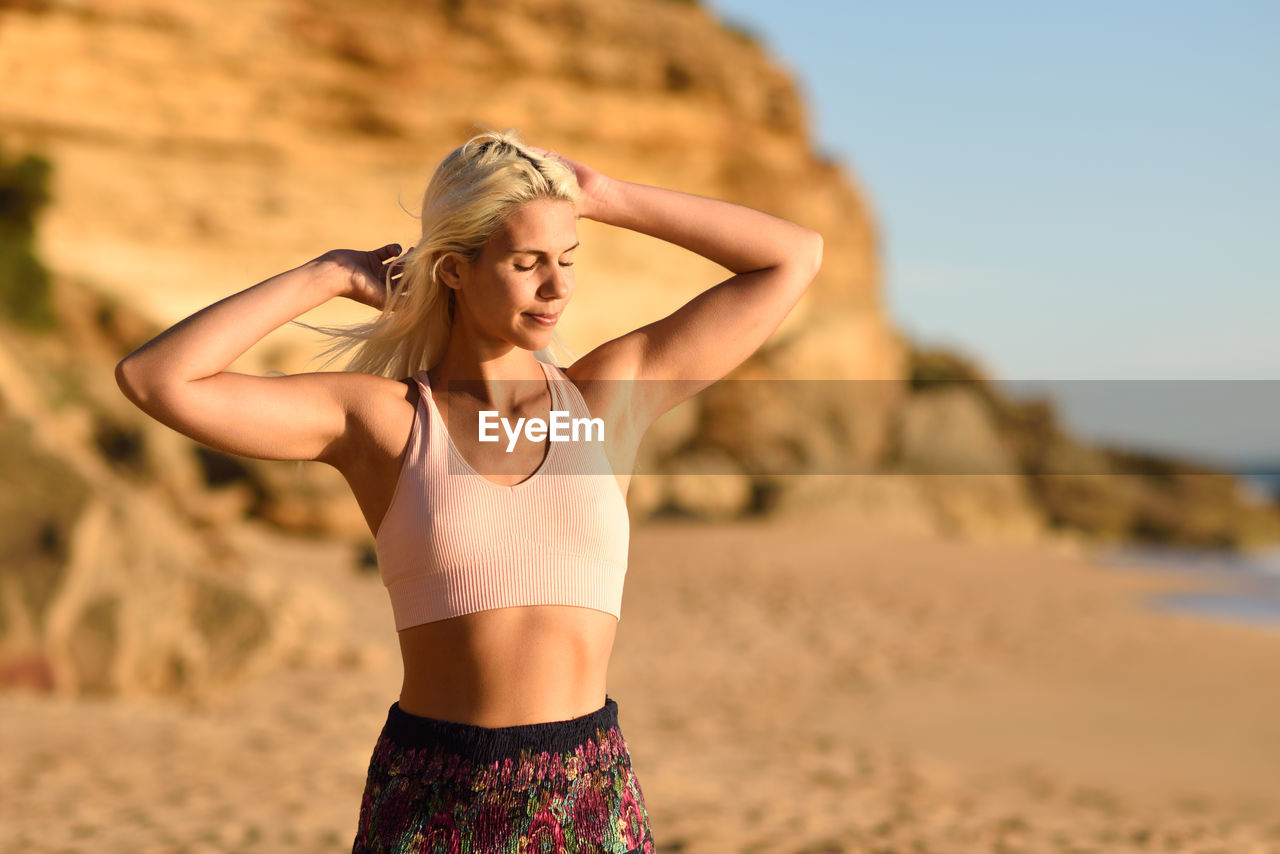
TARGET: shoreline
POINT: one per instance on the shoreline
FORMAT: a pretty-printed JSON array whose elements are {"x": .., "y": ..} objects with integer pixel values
[{"x": 1241, "y": 588}]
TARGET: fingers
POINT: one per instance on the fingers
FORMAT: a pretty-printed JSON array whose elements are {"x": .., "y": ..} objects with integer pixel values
[
  {"x": 395, "y": 253},
  {"x": 551, "y": 155},
  {"x": 384, "y": 255}
]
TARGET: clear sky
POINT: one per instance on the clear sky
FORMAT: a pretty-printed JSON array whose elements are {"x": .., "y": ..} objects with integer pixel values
[{"x": 1085, "y": 190}]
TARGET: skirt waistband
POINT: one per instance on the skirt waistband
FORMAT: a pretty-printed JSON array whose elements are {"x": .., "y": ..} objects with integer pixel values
[{"x": 489, "y": 744}]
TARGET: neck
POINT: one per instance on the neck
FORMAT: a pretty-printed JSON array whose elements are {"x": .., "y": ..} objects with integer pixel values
[{"x": 501, "y": 376}]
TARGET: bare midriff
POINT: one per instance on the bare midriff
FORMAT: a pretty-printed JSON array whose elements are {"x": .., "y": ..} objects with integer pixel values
[{"x": 508, "y": 666}]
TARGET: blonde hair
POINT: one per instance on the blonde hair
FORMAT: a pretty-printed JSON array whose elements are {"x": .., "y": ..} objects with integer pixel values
[{"x": 470, "y": 196}]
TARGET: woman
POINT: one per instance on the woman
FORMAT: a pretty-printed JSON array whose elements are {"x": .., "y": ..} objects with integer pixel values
[{"x": 505, "y": 580}]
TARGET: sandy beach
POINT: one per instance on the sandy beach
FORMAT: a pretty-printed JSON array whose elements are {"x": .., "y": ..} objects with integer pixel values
[{"x": 794, "y": 686}]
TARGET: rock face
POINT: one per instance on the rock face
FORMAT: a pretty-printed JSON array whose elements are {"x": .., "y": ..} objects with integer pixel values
[
  {"x": 116, "y": 570},
  {"x": 199, "y": 152},
  {"x": 236, "y": 144},
  {"x": 1015, "y": 460}
]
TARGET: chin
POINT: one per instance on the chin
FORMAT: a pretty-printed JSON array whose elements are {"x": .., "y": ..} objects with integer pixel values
[
  {"x": 533, "y": 344},
  {"x": 534, "y": 339}
]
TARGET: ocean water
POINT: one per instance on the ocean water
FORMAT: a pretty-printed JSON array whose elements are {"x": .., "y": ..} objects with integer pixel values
[
  {"x": 1244, "y": 588},
  {"x": 1262, "y": 483},
  {"x": 1241, "y": 588}
]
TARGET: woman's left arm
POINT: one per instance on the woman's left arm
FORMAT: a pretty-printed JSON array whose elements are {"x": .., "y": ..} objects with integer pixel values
[{"x": 773, "y": 261}]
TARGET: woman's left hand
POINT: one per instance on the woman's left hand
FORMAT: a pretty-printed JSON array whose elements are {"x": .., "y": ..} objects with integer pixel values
[{"x": 593, "y": 184}]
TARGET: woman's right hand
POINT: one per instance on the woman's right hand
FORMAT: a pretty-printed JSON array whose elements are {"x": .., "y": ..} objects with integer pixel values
[{"x": 361, "y": 275}]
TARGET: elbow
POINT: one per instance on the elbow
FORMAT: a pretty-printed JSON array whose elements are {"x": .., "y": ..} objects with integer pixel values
[
  {"x": 133, "y": 384},
  {"x": 815, "y": 254},
  {"x": 125, "y": 381},
  {"x": 807, "y": 260}
]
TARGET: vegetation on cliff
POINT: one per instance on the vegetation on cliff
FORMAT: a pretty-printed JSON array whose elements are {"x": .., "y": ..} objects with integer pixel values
[{"x": 24, "y": 280}]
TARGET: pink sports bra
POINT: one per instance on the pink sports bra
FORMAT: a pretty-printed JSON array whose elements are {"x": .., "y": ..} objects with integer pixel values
[{"x": 453, "y": 542}]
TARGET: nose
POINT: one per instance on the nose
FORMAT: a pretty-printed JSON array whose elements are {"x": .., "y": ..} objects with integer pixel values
[{"x": 558, "y": 283}]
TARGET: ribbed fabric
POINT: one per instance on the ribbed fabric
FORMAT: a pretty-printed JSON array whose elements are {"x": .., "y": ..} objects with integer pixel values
[{"x": 453, "y": 542}]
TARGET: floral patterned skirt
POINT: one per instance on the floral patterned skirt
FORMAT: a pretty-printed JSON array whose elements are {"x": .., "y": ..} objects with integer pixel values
[{"x": 441, "y": 786}]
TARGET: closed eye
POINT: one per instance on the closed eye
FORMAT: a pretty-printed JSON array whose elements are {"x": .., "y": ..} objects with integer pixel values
[
  {"x": 527, "y": 269},
  {"x": 539, "y": 256}
]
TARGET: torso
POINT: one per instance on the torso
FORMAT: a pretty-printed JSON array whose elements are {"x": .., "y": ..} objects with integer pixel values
[{"x": 482, "y": 668}]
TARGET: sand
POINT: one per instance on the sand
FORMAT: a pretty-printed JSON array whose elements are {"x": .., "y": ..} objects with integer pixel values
[{"x": 794, "y": 686}]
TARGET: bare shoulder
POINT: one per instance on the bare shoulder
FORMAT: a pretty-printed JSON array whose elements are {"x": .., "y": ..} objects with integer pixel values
[
  {"x": 616, "y": 359},
  {"x": 371, "y": 396},
  {"x": 606, "y": 378},
  {"x": 379, "y": 414},
  {"x": 604, "y": 374},
  {"x": 617, "y": 381}
]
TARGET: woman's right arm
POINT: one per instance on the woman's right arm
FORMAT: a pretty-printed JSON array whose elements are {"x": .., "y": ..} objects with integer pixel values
[{"x": 179, "y": 377}]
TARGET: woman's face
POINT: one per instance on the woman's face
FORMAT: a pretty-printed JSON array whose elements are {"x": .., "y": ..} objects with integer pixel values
[{"x": 516, "y": 290}]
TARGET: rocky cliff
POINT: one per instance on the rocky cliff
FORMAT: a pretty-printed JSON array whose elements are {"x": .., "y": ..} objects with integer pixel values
[{"x": 199, "y": 151}]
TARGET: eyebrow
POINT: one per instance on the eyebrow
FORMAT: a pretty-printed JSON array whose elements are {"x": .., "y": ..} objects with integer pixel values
[{"x": 540, "y": 252}]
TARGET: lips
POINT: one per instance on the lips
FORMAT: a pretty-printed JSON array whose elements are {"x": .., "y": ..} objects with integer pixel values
[{"x": 544, "y": 319}]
